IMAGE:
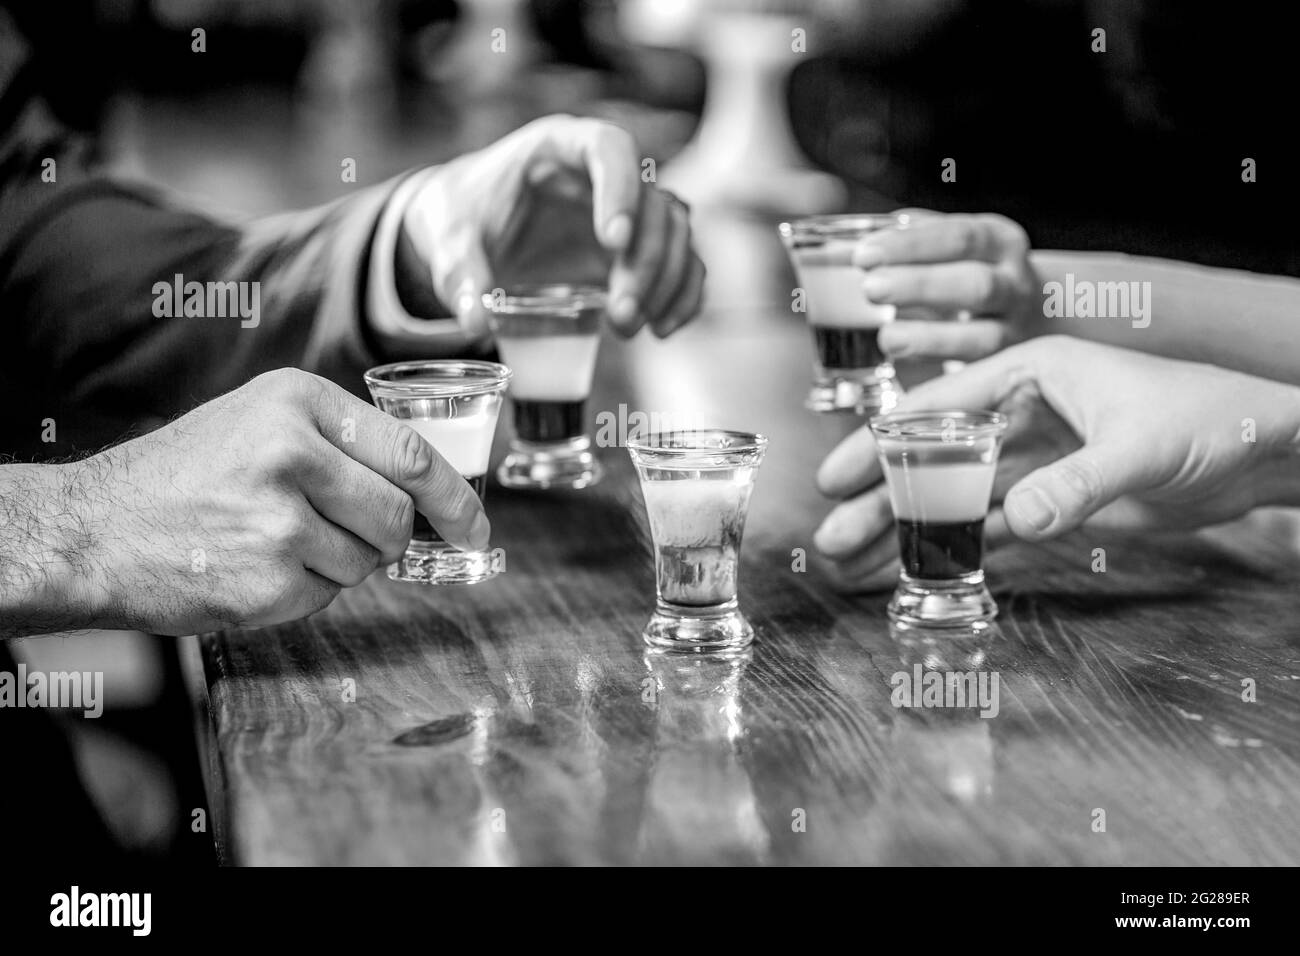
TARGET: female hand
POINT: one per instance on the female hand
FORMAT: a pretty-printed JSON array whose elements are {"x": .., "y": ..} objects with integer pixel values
[
  {"x": 1098, "y": 434},
  {"x": 941, "y": 266}
]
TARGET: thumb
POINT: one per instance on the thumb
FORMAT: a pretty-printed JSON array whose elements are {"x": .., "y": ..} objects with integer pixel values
[
  {"x": 1059, "y": 497},
  {"x": 466, "y": 282}
]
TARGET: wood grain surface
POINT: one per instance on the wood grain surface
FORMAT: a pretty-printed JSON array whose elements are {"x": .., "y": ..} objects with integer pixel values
[{"x": 521, "y": 721}]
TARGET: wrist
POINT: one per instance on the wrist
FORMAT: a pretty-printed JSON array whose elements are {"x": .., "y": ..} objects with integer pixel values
[
  {"x": 414, "y": 282},
  {"x": 50, "y": 578},
  {"x": 401, "y": 301}
]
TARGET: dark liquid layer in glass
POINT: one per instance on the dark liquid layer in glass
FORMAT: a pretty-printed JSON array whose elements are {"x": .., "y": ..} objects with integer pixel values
[
  {"x": 423, "y": 531},
  {"x": 941, "y": 551},
  {"x": 847, "y": 348},
  {"x": 548, "y": 421}
]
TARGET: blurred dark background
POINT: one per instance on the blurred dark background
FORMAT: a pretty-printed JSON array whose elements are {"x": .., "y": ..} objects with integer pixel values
[{"x": 1138, "y": 148}]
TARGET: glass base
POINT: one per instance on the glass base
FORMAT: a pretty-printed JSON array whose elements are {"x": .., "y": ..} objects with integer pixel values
[
  {"x": 436, "y": 562},
  {"x": 858, "y": 393},
  {"x": 955, "y": 648},
  {"x": 568, "y": 464},
  {"x": 963, "y": 603},
  {"x": 705, "y": 630}
]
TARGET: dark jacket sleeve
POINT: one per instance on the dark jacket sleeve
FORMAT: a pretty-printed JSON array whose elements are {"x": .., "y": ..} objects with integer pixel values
[{"x": 85, "y": 338}]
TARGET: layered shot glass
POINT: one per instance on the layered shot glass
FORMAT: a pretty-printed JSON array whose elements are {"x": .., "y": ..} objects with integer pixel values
[
  {"x": 851, "y": 373},
  {"x": 696, "y": 486},
  {"x": 939, "y": 468},
  {"x": 549, "y": 336},
  {"x": 453, "y": 405}
]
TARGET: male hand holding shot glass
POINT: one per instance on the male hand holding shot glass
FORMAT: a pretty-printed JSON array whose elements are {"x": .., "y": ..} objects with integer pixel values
[
  {"x": 560, "y": 196},
  {"x": 554, "y": 206},
  {"x": 453, "y": 407}
]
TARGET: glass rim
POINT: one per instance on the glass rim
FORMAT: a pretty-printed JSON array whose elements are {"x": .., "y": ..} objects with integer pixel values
[
  {"x": 737, "y": 442},
  {"x": 842, "y": 225},
  {"x": 462, "y": 377},
  {"x": 971, "y": 423},
  {"x": 545, "y": 298}
]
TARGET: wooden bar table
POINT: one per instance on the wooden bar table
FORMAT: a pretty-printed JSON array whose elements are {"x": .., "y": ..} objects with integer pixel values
[{"x": 1147, "y": 714}]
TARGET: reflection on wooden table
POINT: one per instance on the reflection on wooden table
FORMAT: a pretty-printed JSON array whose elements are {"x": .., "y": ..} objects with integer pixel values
[{"x": 522, "y": 722}]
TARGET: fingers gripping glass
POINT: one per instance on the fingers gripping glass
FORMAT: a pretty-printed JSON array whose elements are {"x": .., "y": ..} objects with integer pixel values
[
  {"x": 851, "y": 373},
  {"x": 454, "y": 407}
]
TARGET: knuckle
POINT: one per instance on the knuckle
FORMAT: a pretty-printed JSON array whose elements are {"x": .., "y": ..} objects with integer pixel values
[
  {"x": 1083, "y": 478},
  {"x": 292, "y": 386},
  {"x": 1019, "y": 283},
  {"x": 313, "y": 389},
  {"x": 399, "y": 517},
  {"x": 283, "y": 528},
  {"x": 364, "y": 560},
  {"x": 968, "y": 237},
  {"x": 283, "y": 379},
  {"x": 984, "y": 288},
  {"x": 610, "y": 134},
  {"x": 282, "y": 453},
  {"x": 318, "y": 595},
  {"x": 396, "y": 525},
  {"x": 261, "y": 600},
  {"x": 1014, "y": 236},
  {"x": 545, "y": 126},
  {"x": 1018, "y": 373},
  {"x": 412, "y": 455},
  {"x": 680, "y": 215},
  {"x": 279, "y": 586}
]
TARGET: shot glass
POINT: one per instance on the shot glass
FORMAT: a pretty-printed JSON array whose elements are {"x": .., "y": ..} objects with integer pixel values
[
  {"x": 851, "y": 373},
  {"x": 549, "y": 336},
  {"x": 696, "y": 486},
  {"x": 939, "y": 468},
  {"x": 454, "y": 406}
]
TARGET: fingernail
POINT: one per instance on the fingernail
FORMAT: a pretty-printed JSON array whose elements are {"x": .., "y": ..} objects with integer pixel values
[
  {"x": 868, "y": 257},
  {"x": 876, "y": 288},
  {"x": 828, "y": 538},
  {"x": 831, "y": 467},
  {"x": 824, "y": 478},
  {"x": 1032, "y": 507},
  {"x": 821, "y": 535},
  {"x": 623, "y": 309},
  {"x": 618, "y": 231},
  {"x": 480, "y": 532}
]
